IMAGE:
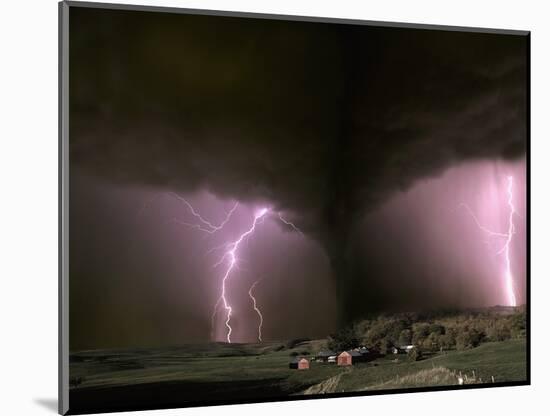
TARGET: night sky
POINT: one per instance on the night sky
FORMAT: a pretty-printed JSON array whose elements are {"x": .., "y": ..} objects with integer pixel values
[{"x": 368, "y": 139}]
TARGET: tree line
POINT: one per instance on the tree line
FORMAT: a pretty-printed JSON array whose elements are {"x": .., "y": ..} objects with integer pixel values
[{"x": 431, "y": 332}]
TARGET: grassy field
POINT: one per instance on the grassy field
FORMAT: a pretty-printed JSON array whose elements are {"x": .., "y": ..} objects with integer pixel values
[
  {"x": 200, "y": 363},
  {"x": 199, "y": 373},
  {"x": 266, "y": 365},
  {"x": 503, "y": 361}
]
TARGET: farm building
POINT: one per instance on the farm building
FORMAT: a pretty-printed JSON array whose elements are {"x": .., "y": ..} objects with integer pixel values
[
  {"x": 351, "y": 357},
  {"x": 356, "y": 356},
  {"x": 364, "y": 355},
  {"x": 344, "y": 358},
  {"x": 323, "y": 356},
  {"x": 404, "y": 349},
  {"x": 299, "y": 364},
  {"x": 397, "y": 350}
]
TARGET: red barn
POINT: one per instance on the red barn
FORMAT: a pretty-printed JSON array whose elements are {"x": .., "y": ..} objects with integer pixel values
[
  {"x": 299, "y": 364},
  {"x": 344, "y": 358}
]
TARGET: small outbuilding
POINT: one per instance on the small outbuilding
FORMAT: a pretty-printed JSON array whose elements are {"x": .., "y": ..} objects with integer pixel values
[
  {"x": 349, "y": 357},
  {"x": 362, "y": 355},
  {"x": 299, "y": 364},
  {"x": 323, "y": 356},
  {"x": 403, "y": 349},
  {"x": 397, "y": 350},
  {"x": 344, "y": 358},
  {"x": 356, "y": 356}
]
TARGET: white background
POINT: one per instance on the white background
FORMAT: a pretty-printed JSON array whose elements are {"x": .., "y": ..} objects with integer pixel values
[{"x": 28, "y": 208}]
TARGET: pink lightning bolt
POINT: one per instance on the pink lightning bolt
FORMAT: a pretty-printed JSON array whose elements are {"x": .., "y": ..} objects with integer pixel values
[
  {"x": 255, "y": 305},
  {"x": 290, "y": 224},
  {"x": 231, "y": 255},
  {"x": 511, "y": 231},
  {"x": 508, "y": 276},
  {"x": 204, "y": 225}
]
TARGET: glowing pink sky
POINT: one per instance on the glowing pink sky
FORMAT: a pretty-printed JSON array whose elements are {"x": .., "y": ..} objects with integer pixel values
[
  {"x": 154, "y": 279},
  {"x": 447, "y": 250}
]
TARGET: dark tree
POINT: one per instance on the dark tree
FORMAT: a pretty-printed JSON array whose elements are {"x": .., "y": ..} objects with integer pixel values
[
  {"x": 415, "y": 354},
  {"x": 342, "y": 340},
  {"x": 405, "y": 337},
  {"x": 468, "y": 338}
]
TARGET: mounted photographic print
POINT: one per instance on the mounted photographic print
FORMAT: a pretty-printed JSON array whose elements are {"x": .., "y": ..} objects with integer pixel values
[{"x": 265, "y": 208}]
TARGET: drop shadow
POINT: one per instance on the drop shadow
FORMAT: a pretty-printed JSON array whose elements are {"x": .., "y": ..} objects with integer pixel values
[{"x": 48, "y": 404}]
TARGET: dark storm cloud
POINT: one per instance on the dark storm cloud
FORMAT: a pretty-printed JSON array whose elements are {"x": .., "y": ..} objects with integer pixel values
[{"x": 322, "y": 120}]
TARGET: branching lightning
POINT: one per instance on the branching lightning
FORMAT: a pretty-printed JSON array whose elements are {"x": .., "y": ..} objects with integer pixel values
[
  {"x": 213, "y": 317},
  {"x": 290, "y": 224},
  {"x": 507, "y": 236},
  {"x": 511, "y": 232},
  {"x": 204, "y": 224},
  {"x": 255, "y": 305},
  {"x": 230, "y": 255},
  {"x": 479, "y": 225}
]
